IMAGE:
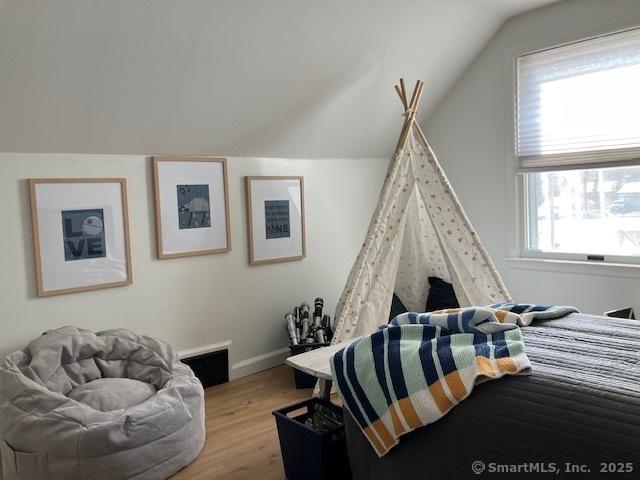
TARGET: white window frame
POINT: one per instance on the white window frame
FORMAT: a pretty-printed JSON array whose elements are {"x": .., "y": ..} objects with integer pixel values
[
  {"x": 558, "y": 256},
  {"x": 519, "y": 255}
]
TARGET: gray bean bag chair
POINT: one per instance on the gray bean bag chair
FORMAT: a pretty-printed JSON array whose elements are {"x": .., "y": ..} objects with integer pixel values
[{"x": 109, "y": 405}]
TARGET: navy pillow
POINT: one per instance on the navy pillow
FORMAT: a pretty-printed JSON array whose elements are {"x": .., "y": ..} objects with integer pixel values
[
  {"x": 441, "y": 295},
  {"x": 397, "y": 307}
]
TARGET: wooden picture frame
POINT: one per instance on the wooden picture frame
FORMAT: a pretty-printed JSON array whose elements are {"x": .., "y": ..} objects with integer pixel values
[
  {"x": 170, "y": 229},
  {"x": 256, "y": 224},
  {"x": 47, "y": 249}
]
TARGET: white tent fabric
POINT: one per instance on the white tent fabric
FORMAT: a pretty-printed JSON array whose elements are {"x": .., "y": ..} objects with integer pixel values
[{"x": 419, "y": 229}]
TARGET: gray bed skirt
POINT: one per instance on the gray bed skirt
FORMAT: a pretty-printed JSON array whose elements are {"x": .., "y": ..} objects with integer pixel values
[{"x": 577, "y": 416}]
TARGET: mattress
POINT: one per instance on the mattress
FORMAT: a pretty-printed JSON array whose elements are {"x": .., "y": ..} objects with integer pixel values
[{"x": 576, "y": 416}]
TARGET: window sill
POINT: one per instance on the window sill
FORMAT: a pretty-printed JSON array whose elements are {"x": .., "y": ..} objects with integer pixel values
[{"x": 575, "y": 267}]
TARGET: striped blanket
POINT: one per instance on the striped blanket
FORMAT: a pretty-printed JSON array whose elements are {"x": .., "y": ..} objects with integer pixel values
[{"x": 411, "y": 372}]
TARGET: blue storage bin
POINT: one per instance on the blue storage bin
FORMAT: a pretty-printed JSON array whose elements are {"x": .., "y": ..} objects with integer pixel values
[{"x": 307, "y": 453}]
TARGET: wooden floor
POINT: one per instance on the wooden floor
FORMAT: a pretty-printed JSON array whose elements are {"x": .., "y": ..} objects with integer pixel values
[{"x": 242, "y": 441}]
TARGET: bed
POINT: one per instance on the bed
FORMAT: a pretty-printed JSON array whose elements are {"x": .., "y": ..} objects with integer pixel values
[{"x": 579, "y": 410}]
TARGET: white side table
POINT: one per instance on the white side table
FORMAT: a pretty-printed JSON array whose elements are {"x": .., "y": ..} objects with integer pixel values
[{"x": 318, "y": 364}]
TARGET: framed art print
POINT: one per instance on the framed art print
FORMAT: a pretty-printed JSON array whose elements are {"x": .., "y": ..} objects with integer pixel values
[
  {"x": 192, "y": 207},
  {"x": 80, "y": 234},
  {"x": 275, "y": 218}
]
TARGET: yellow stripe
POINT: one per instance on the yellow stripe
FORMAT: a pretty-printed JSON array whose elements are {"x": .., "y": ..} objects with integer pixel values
[
  {"x": 484, "y": 367},
  {"x": 395, "y": 420},
  {"x": 387, "y": 439},
  {"x": 448, "y": 310},
  {"x": 501, "y": 315},
  {"x": 441, "y": 399},
  {"x": 506, "y": 364},
  {"x": 409, "y": 412},
  {"x": 368, "y": 431},
  {"x": 456, "y": 386}
]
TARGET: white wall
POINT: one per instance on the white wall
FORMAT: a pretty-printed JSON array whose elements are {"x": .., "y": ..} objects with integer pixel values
[
  {"x": 291, "y": 78},
  {"x": 471, "y": 133},
  {"x": 277, "y": 78},
  {"x": 194, "y": 301}
]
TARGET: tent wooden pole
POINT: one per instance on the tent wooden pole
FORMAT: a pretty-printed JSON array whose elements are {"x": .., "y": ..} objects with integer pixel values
[
  {"x": 418, "y": 96},
  {"x": 402, "y": 98},
  {"x": 411, "y": 114},
  {"x": 404, "y": 93},
  {"x": 405, "y": 130},
  {"x": 403, "y": 135},
  {"x": 415, "y": 92}
]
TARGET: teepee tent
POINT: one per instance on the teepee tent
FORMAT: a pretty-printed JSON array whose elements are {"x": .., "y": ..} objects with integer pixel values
[{"x": 418, "y": 230}]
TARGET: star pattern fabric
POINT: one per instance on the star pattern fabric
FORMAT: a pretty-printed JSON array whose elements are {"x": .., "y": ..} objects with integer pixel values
[{"x": 418, "y": 229}]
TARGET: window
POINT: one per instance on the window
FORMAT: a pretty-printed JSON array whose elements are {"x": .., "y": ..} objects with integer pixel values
[
  {"x": 593, "y": 211},
  {"x": 578, "y": 147}
]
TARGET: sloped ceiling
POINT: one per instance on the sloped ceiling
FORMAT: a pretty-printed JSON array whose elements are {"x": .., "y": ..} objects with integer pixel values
[{"x": 284, "y": 78}]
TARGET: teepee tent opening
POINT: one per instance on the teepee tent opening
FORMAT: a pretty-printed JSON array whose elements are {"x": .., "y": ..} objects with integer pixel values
[{"x": 418, "y": 230}]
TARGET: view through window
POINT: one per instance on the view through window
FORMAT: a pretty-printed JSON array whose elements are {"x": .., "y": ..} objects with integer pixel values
[{"x": 590, "y": 211}]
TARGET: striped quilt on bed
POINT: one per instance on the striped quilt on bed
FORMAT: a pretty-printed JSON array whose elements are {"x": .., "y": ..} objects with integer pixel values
[{"x": 411, "y": 372}]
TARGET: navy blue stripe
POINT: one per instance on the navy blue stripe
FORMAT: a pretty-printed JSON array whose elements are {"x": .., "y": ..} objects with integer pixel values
[
  {"x": 426, "y": 357},
  {"x": 500, "y": 343},
  {"x": 425, "y": 319},
  {"x": 394, "y": 362},
  {"x": 346, "y": 392},
  {"x": 357, "y": 388},
  {"x": 452, "y": 322},
  {"x": 467, "y": 315},
  {"x": 519, "y": 308},
  {"x": 480, "y": 344},
  {"x": 419, "y": 318},
  {"x": 445, "y": 355},
  {"x": 540, "y": 308},
  {"x": 430, "y": 332},
  {"x": 377, "y": 349}
]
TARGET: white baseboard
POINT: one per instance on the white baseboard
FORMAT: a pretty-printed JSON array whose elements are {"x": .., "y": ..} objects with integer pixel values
[
  {"x": 213, "y": 347},
  {"x": 259, "y": 363},
  {"x": 243, "y": 367}
]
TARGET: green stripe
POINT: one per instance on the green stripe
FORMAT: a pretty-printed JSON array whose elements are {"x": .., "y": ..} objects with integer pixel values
[
  {"x": 463, "y": 351},
  {"x": 411, "y": 366},
  {"x": 366, "y": 373},
  {"x": 515, "y": 342}
]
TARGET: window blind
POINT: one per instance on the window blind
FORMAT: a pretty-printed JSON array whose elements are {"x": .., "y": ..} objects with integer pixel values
[{"x": 579, "y": 104}]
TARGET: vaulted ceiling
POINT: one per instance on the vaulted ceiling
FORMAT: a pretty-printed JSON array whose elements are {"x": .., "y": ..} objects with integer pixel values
[{"x": 285, "y": 78}]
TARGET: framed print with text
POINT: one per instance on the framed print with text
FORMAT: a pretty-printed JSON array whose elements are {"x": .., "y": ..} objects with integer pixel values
[
  {"x": 275, "y": 219},
  {"x": 192, "y": 206},
  {"x": 80, "y": 234}
]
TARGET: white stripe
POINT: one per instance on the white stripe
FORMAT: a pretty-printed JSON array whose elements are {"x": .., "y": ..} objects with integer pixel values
[
  {"x": 460, "y": 325},
  {"x": 387, "y": 375},
  {"x": 353, "y": 394},
  {"x": 492, "y": 351},
  {"x": 443, "y": 382}
]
